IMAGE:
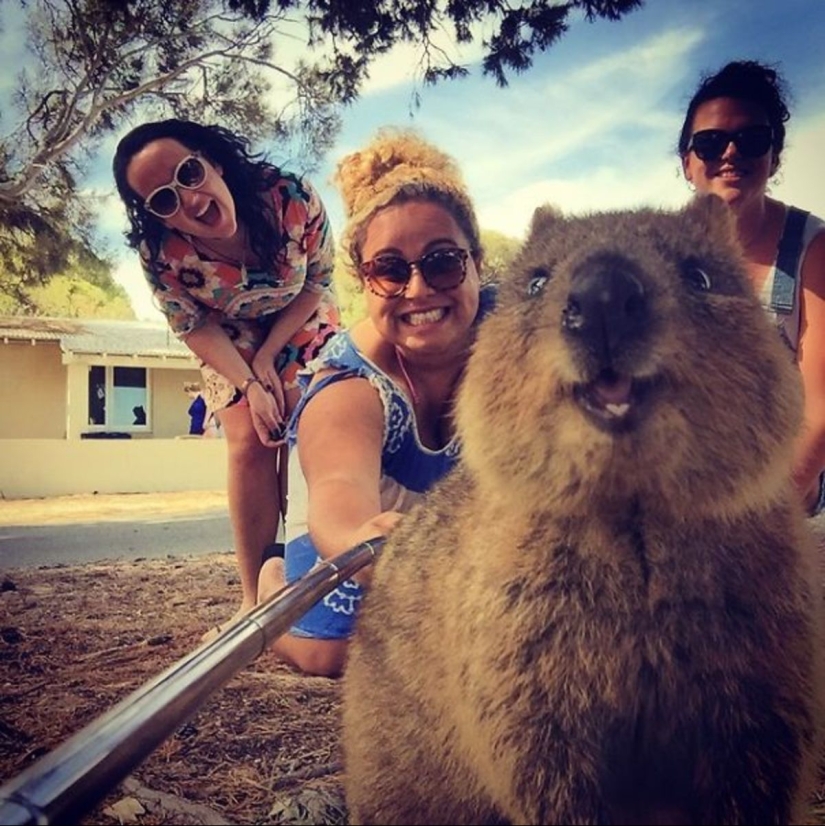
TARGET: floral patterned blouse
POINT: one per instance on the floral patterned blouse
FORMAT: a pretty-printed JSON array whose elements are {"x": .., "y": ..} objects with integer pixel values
[{"x": 190, "y": 290}]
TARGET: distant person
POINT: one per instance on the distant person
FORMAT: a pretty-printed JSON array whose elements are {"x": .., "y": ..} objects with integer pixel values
[
  {"x": 239, "y": 255},
  {"x": 139, "y": 414},
  {"x": 374, "y": 429},
  {"x": 196, "y": 411},
  {"x": 211, "y": 426},
  {"x": 731, "y": 145}
]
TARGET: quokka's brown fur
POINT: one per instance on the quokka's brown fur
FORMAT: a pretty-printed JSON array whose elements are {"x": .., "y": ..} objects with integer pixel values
[{"x": 608, "y": 613}]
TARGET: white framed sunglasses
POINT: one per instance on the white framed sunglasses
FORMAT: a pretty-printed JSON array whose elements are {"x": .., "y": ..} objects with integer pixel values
[{"x": 164, "y": 201}]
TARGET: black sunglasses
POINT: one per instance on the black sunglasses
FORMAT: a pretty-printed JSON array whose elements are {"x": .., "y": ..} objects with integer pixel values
[
  {"x": 750, "y": 142},
  {"x": 164, "y": 201},
  {"x": 388, "y": 275}
]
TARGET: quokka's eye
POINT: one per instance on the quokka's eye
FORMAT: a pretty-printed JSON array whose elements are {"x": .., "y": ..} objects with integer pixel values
[
  {"x": 538, "y": 279},
  {"x": 696, "y": 277}
]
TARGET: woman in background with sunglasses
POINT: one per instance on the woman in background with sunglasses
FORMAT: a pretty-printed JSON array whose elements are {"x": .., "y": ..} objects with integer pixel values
[
  {"x": 239, "y": 255},
  {"x": 374, "y": 430},
  {"x": 731, "y": 145}
]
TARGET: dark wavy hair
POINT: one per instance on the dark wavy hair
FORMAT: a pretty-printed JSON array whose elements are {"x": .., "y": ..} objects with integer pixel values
[
  {"x": 247, "y": 175},
  {"x": 744, "y": 80}
]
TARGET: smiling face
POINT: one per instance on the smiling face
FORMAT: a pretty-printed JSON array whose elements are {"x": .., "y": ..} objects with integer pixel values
[
  {"x": 733, "y": 177},
  {"x": 634, "y": 331},
  {"x": 205, "y": 212},
  {"x": 423, "y": 321}
]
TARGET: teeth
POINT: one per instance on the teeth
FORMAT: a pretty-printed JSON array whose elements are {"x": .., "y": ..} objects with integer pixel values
[
  {"x": 427, "y": 317},
  {"x": 617, "y": 409}
]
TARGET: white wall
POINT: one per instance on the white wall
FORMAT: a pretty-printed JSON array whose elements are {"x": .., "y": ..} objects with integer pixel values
[{"x": 54, "y": 467}]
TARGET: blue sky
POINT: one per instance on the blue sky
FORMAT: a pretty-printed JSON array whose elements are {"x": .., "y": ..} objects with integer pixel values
[{"x": 593, "y": 125}]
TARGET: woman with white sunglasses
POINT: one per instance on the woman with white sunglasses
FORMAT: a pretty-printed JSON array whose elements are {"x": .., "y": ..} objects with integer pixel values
[
  {"x": 731, "y": 145},
  {"x": 239, "y": 255}
]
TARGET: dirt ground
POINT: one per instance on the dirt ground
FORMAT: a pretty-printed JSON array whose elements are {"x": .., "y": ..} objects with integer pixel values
[{"x": 75, "y": 640}]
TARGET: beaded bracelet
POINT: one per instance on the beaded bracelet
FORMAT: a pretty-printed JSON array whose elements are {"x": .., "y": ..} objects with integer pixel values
[{"x": 244, "y": 388}]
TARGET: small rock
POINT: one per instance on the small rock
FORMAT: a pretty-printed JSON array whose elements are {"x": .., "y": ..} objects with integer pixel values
[
  {"x": 126, "y": 810},
  {"x": 309, "y": 806},
  {"x": 186, "y": 730},
  {"x": 11, "y": 635}
]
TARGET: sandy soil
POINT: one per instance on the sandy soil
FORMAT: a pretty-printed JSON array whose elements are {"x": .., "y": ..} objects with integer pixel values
[{"x": 74, "y": 641}]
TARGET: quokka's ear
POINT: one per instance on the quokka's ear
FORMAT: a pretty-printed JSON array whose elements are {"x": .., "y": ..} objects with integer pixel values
[
  {"x": 544, "y": 217},
  {"x": 715, "y": 218}
]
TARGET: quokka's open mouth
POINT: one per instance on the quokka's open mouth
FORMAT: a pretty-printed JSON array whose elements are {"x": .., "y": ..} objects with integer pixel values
[{"x": 614, "y": 401}]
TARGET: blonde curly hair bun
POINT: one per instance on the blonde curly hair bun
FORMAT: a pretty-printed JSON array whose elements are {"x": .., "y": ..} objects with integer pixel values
[{"x": 399, "y": 165}]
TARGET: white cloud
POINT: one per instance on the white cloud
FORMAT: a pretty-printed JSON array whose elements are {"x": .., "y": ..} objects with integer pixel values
[
  {"x": 400, "y": 66},
  {"x": 111, "y": 215},
  {"x": 597, "y": 190},
  {"x": 588, "y": 138},
  {"x": 801, "y": 181},
  {"x": 110, "y": 225},
  {"x": 658, "y": 183},
  {"x": 660, "y": 56},
  {"x": 594, "y": 138},
  {"x": 553, "y": 125},
  {"x": 129, "y": 275},
  {"x": 404, "y": 64}
]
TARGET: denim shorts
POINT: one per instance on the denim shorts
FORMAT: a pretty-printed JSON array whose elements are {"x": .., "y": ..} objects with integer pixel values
[
  {"x": 247, "y": 335},
  {"x": 333, "y": 616}
]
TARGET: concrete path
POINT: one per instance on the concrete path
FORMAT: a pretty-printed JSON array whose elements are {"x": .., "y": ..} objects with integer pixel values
[{"x": 150, "y": 536}]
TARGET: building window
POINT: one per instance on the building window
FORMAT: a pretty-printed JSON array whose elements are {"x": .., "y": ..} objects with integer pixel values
[{"x": 118, "y": 397}]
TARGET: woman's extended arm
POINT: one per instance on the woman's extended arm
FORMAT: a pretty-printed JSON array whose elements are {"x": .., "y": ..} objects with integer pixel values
[{"x": 340, "y": 437}]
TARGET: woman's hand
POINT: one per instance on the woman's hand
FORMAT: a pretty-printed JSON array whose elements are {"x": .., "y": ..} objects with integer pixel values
[
  {"x": 380, "y": 525},
  {"x": 263, "y": 366},
  {"x": 267, "y": 417}
]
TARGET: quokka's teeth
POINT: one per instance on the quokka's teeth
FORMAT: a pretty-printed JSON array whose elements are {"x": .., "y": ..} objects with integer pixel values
[{"x": 617, "y": 409}]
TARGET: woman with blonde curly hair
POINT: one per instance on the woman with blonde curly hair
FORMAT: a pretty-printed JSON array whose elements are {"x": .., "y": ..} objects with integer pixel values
[{"x": 373, "y": 430}]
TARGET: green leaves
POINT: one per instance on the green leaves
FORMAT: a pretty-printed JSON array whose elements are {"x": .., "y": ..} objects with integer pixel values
[{"x": 97, "y": 66}]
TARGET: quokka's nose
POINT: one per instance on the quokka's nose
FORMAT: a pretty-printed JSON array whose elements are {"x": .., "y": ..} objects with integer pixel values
[{"x": 606, "y": 307}]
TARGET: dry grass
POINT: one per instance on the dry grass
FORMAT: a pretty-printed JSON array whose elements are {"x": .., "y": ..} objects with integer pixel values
[{"x": 76, "y": 640}]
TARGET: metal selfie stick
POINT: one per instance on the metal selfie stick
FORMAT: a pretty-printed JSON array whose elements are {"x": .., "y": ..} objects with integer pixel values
[{"x": 69, "y": 781}]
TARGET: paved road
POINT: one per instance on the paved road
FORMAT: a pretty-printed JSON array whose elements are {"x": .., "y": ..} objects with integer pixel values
[{"x": 152, "y": 537}]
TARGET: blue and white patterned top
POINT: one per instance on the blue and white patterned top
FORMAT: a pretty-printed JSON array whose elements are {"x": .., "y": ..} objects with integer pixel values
[{"x": 408, "y": 469}]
